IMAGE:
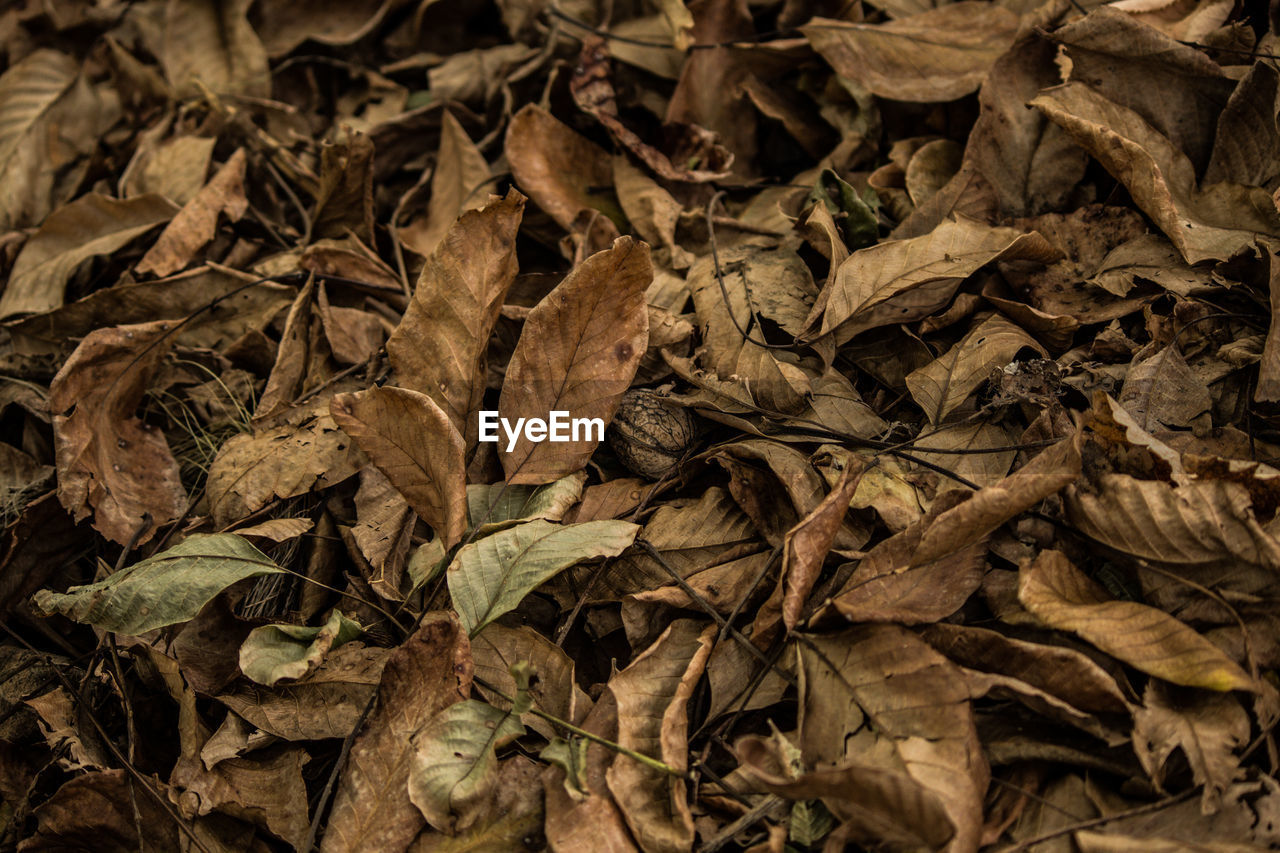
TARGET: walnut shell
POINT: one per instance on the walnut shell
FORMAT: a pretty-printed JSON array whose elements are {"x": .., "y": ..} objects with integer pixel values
[{"x": 649, "y": 435}]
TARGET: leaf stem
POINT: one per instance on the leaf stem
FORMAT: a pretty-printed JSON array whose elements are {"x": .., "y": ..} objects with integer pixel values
[{"x": 652, "y": 763}]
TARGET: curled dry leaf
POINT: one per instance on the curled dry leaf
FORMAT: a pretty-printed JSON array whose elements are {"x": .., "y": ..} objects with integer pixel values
[
  {"x": 371, "y": 808},
  {"x": 411, "y": 441},
  {"x": 1210, "y": 223},
  {"x": 1063, "y": 597},
  {"x": 109, "y": 462},
  {"x": 652, "y": 694},
  {"x": 194, "y": 225},
  {"x": 937, "y": 55},
  {"x": 440, "y": 346},
  {"x": 91, "y": 225},
  {"x": 904, "y": 280},
  {"x": 578, "y": 352}
]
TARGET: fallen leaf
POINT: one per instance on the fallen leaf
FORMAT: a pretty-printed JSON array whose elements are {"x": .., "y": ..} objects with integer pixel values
[
  {"x": 936, "y": 55},
  {"x": 491, "y": 576},
  {"x": 904, "y": 280},
  {"x": 371, "y": 808},
  {"x": 166, "y": 589},
  {"x": 652, "y": 694},
  {"x": 1148, "y": 639},
  {"x": 578, "y": 352},
  {"x": 194, "y": 225},
  {"x": 440, "y": 346},
  {"x": 91, "y": 225},
  {"x": 413, "y": 443},
  {"x": 1208, "y": 728},
  {"x": 110, "y": 463}
]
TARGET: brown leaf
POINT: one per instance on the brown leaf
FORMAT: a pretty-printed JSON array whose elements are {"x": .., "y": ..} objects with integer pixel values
[
  {"x": 1063, "y": 597},
  {"x": 91, "y": 225},
  {"x": 411, "y": 440},
  {"x": 371, "y": 808},
  {"x": 652, "y": 694},
  {"x": 1209, "y": 728},
  {"x": 457, "y": 185},
  {"x": 95, "y": 811},
  {"x": 876, "y": 805},
  {"x": 109, "y": 462},
  {"x": 904, "y": 280},
  {"x": 344, "y": 201},
  {"x": 879, "y": 695},
  {"x": 266, "y": 789},
  {"x": 383, "y": 530},
  {"x": 1215, "y": 222},
  {"x": 709, "y": 92},
  {"x": 1162, "y": 392},
  {"x": 497, "y": 648},
  {"x": 325, "y": 704},
  {"x": 196, "y": 223},
  {"x": 212, "y": 42},
  {"x": 578, "y": 353},
  {"x": 440, "y": 346},
  {"x": 946, "y": 382},
  {"x": 562, "y": 171},
  {"x": 588, "y": 821},
  {"x": 354, "y": 336},
  {"x": 251, "y": 470},
  {"x": 938, "y": 55},
  {"x": 1057, "y": 670},
  {"x": 807, "y": 544},
  {"x": 594, "y": 94}
]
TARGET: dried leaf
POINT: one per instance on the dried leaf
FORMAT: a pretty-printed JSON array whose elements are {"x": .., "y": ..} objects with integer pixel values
[
  {"x": 195, "y": 224},
  {"x": 1215, "y": 222},
  {"x": 937, "y": 55},
  {"x": 1148, "y": 639},
  {"x": 90, "y": 226},
  {"x": 904, "y": 280},
  {"x": 652, "y": 695},
  {"x": 213, "y": 43},
  {"x": 251, "y": 470},
  {"x": 578, "y": 353},
  {"x": 457, "y": 185},
  {"x": 413, "y": 443},
  {"x": 109, "y": 462},
  {"x": 440, "y": 346},
  {"x": 1207, "y": 727},
  {"x": 946, "y": 382},
  {"x": 454, "y": 765},
  {"x": 371, "y": 808}
]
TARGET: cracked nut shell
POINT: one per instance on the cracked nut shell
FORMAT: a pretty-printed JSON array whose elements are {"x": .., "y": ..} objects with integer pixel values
[{"x": 649, "y": 435}]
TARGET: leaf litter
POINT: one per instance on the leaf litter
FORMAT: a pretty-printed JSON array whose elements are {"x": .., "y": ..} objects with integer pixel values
[{"x": 935, "y": 350}]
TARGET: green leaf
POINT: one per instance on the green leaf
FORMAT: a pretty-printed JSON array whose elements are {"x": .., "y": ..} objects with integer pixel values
[
  {"x": 273, "y": 652},
  {"x": 861, "y": 227},
  {"x": 165, "y": 589},
  {"x": 492, "y": 576},
  {"x": 455, "y": 759},
  {"x": 571, "y": 757},
  {"x": 500, "y": 505}
]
